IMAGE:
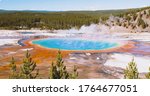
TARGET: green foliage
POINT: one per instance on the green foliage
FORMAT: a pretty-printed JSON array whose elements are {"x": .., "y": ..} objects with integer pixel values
[
  {"x": 119, "y": 24},
  {"x": 124, "y": 25},
  {"x": 133, "y": 26},
  {"x": 148, "y": 74},
  {"x": 58, "y": 70},
  {"x": 49, "y": 20},
  {"x": 74, "y": 74},
  {"x": 142, "y": 23},
  {"x": 124, "y": 13},
  {"x": 13, "y": 65},
  {"x": 27, "y": 69},
  {"x": 134, "y": 16},
  {"x": 144, "y": 12},
  {"x": 131, "y": 72},
  {"x": 54, "y": 20},
  {"x": 58, "y": 20},
  {"x": 128, "y": 18},
  {"x": 14, "y": 74},
  {"x": 104, "y": 18}
]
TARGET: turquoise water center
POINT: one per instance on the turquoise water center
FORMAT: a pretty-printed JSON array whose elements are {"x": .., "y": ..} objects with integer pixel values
[{"x": 74, "y": 44}]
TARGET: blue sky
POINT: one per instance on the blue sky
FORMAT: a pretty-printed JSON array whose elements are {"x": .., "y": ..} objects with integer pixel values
[{"x": 63, "y": 5}]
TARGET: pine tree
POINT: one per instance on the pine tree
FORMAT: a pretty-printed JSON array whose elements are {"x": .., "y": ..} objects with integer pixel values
[
  {"x": 28, "y": 67},
  {"x": 59, "y": 71},
  {"x": 14, "y": 74},
  {"x": 131, "y": 72},
  {"x": 142, "y": 23},
  {"x": 148, "y": 74},
  {"x": 144, "y": 12},
  {"x": 74, "y": 75},
  {"x": 134, "y": 16}
]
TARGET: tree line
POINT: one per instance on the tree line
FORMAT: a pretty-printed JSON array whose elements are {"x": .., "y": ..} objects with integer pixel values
[{"x": 57, "y": 20}]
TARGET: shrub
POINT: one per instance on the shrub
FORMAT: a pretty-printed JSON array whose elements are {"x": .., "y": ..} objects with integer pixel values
[
  {"x": 134, "y": 16},
  {"x": 144, "y": 12},
  {"x": 148, "y": 74},
  {"x": 142, "y": 23},
  {"x": 14, "y": 74},
  {"x": 128, "y": 18},
  {"x": 58, "y": 70},
  {"x": 124, "y": 25},
  {"x": 131, "y": 72},
  {"x": 27, "y": 68}
]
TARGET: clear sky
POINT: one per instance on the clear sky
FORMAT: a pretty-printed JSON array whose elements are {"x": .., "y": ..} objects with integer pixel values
[{"x": 63, "y": 5}]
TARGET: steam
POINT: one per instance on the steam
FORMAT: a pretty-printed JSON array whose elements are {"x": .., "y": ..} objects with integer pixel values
[
  {"x": 93, "y": 28},
  {"x": 92, "y": 32}
]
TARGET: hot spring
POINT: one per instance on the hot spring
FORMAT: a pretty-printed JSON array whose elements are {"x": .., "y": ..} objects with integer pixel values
[{"x": 74, "y": 44}]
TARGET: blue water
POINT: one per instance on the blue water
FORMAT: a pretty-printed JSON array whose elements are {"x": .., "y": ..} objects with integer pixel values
[
  {"x": 27, "y": 32},
  {"x": 74, "y": 44}
]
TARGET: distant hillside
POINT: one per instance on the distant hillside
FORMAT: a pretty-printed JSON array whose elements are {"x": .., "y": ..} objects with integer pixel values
[
  {"x": 32, "y": 11},
  {"x": 135, "y": 20},
  {"x": 29, "y": 19},
  {"x": 5, "y": 11}
]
